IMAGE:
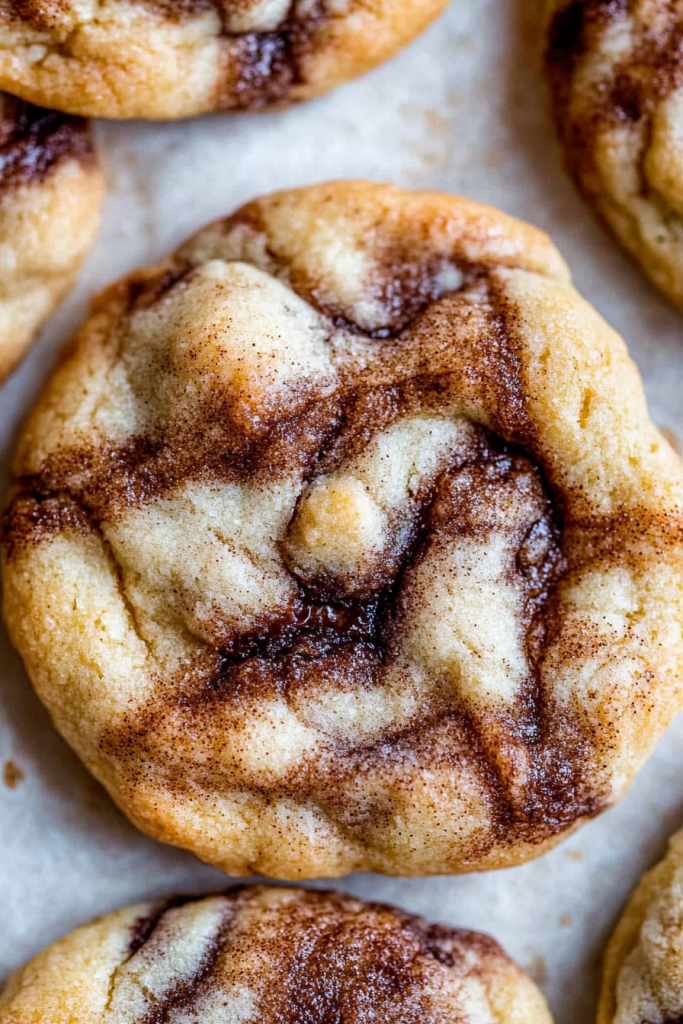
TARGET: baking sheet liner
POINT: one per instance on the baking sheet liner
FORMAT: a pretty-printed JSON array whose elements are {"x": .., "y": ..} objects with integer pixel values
[{"x": 464, "y": 110}]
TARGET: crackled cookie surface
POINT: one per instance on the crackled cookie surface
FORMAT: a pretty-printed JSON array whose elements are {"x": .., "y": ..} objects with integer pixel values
[
  {"x": 50, "y": 196},
  {"x": 616, "y": 70},
  {"x": 643, "y": 971},
  {"x": 172, "y": 58},
  {"x": 271, "y": 955},
  {"x": 341, "y": 540}
]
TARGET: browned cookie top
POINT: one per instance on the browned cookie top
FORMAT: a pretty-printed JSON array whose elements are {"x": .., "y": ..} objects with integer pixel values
[
  {"x": 643, "y": 968},
  {"x": 34, "y": 141},
  {"x": 274, "y": 956},
  {"x": 171, "y": 58},
  {"x": 366, "y": 553},
  {"x": 616, "y": 71},
  {"x": 50, "y": 195}
]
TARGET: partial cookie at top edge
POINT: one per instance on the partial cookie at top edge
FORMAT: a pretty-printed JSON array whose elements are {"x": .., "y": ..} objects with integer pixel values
[
  {"x": 616, "y": 77},
  {"x": 201, "y": 56}
]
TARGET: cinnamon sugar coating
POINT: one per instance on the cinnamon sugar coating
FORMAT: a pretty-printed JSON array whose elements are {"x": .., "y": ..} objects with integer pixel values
[
  {"x": 174, "y": 58},
  {"x": 50, "y": 196},
  {"x": 342, "y": 540},
  {"x": 274, "y": 956},
  {"x": 643, "y": 971},
  {"x": 616, "y": 72}
]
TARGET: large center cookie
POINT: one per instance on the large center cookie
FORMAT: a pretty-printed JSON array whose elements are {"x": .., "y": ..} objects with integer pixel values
[
  {"x": 172, "y": 58},
  {"x": 50, "y": 196},
  {"x": 342, "y": 540},
  {"x": 272, "y": 956}
]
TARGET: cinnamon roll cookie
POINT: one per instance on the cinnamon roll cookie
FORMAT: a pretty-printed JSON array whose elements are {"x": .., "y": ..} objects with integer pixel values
[
  {"x": 172, "y": 58},
  {"x": 643, "y": 971},
  {"x": 50, "y": 197},
  {"x": 271, "y": 955},
  {"x": 341, "y": 540},
  {"x": 616, "y": 70}
]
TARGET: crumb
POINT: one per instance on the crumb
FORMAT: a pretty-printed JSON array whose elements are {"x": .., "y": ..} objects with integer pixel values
[
  {"x": 576, "y": 855},
  {"x": 673, "y": 439},
  {"x": 12, "y": 775},
  {"x": 564, "y": 920},
  {"x": 436, "y": 120},
  {"x": 537, "y": 970}
]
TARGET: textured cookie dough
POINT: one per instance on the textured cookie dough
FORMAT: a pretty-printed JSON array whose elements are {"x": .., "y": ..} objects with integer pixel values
[
  {"x": 643, "y": 971},
  {"x": 616, "y": 71},
  {"x": 50, "y": 197},
  {"x": 271, "y": 956},
  {"x": 172, "y": 58},
  {"x": 341, "y": 540}
]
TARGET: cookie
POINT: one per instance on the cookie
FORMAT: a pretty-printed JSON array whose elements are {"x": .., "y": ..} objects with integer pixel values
[
  {"x": 50, "y": 197},
  {"x": 272, "y": 955},
  {"x": 162, "y": 59},
  {"x": 616, "y": 73},
  {"x": 643, "y": 971},
  {"x": 341, "y": 540}
]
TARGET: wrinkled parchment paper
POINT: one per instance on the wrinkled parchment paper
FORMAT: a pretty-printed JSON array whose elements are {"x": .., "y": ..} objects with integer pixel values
[{"x": 464, "y": 110}]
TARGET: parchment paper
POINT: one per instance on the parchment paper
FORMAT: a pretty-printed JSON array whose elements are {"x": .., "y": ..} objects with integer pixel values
[{"x": 464, "y": 110}]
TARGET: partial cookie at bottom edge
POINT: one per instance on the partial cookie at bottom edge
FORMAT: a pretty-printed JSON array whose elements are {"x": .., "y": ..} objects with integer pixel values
[{"x": 271, "y": 955}]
